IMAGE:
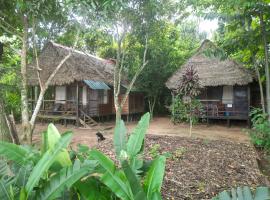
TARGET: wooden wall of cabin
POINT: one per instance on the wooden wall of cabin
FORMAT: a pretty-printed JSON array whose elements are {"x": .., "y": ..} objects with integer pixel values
[
  {"x": 125, "y": 109},
  {"x": 107, "y": 109},
  {"x": 136, "y": 103}
]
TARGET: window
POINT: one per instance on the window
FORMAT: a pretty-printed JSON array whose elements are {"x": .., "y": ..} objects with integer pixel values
[{"x": 103, "y": 96}]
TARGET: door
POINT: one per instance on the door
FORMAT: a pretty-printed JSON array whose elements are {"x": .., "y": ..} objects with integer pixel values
[
  {"x": 93, "y": 102},
  {"x": 241, "y": 100}
]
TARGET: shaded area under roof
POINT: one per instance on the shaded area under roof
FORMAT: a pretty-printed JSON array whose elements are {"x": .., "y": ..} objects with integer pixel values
[{"x": 96, "y": 85}]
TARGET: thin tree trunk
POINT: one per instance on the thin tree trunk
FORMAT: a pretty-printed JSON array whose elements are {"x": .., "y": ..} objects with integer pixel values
[
  {"x": 4, "y": 129},
  {"x": 190, "y": 121},
  {"x": 267, "y": 75},
  {"x": 260, "y": 86},
  {"x": 152, "y": 104},
  {"x": 12, "y": 129},
  {"x": 26, "y": 128}
]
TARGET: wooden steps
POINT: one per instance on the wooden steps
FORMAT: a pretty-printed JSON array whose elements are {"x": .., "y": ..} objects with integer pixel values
[{"x": 86, "y": 121}]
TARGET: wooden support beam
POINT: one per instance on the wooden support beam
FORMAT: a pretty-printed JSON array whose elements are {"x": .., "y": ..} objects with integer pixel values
[
  {"x": 248, "y": 93},
  {"x": 77, "y": 104}
]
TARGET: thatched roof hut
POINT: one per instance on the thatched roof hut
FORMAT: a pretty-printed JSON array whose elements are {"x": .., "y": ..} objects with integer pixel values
[
  {"x": 80, "y": 66},
  {"x": 212, "y": 71}
]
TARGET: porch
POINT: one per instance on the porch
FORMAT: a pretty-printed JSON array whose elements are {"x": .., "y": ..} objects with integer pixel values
[{"x": 225, "y": 103}]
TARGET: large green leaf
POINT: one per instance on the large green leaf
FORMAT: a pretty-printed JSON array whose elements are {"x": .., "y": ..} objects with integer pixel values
[
  {"x": 136, "y": 139},
  {"x": 14, "y": 152},
  {"x": 154, "y": 177},
  {"x": 119, "y": 138},
  {"x": 134, "y": 183},
  {"x": 46, "y": 161},
  {"x": 113, "y": 178},
  {"x": 5, "y": 188},
  {"x": 49, "y": 139},
  {"x": 64, "y": 179},
  {"x": 93, "y": 189},
  {"x": 244, "y": 193}
]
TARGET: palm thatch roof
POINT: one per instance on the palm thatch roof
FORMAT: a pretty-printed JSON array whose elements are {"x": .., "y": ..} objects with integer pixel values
[
  {"x": 212, "y": 70},
  {"x": 79, "y": 66}
]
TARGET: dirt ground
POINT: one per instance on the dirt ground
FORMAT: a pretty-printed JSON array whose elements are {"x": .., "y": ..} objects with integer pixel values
[
  {"x": 198, "y": 168},
  {"x": 158, "y": 126},
  {"x": 214, "y": 159}
]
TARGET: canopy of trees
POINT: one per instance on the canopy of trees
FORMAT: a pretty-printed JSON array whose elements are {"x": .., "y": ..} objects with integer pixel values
[{"x": 155, "y": 37}]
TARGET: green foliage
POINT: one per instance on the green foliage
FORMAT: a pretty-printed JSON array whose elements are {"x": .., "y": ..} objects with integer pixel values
[
  {"x": 119, "y": 140},
  {"x": 124, "y": 181},
  {"x": 154, "y": 151},
  {"x": 244, "y": 193},
  {"x": 260, "y": 132},
  {"x": 30, "y": 174},
  {"x": 46, "y": 161},
  {"x": 64, "y": 179},
  {"x": 49, "y": 139},
  {"x": 154, "y": 177},
  {"x": 135, "y": 142},
  {"x": 182, "y": 112},
  {"x": 30, "y": 168}
]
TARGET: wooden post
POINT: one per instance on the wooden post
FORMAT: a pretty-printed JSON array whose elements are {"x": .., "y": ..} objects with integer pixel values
[
  {"x": 248, "y": 93},
  {"x": 77, "y": 104}
]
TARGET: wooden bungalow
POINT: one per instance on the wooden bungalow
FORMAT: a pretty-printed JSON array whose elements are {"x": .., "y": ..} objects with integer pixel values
[
  {"x": 226, "y": 85},
  {"x": 81, "y": 90}
]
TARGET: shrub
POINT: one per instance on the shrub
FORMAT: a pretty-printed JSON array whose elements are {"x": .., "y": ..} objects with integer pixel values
[
  {"x": 260, "y": 132},
  {"x": 183, "y": 112}
]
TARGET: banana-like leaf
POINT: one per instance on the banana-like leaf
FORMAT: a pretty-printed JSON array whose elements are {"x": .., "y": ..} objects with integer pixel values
[
  {"x": 93, "y": 189},
  {"x": 14, "y": 152},
  {"x": 119, "y": 138},
  {"x": 244, "y": 193},
  {"x": 134, "y": 183},
  {"x": 49, "y": 139},
  {"x": 64, "y": 179},
  {"x": 46, "y": 161},
  {"x": 113, "y": 178},
  {"x": 154, "y": 177},
  {"x": 136, "y": 139},
  {"x": 5, "y": 188}
]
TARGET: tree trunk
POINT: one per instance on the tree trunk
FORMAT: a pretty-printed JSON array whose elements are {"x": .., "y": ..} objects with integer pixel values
[
  {"x": 190, "y": 127},
  {"x": 261, "y": 87},
  {"x": 267, "y": 75},
  {"x": 118, "y": 113},
  {"x": 12, "y": 129},
  {"x": 26, "y": 128},
  {"x": 151, "y": 104},
  {"x": 4, "y": 130}
]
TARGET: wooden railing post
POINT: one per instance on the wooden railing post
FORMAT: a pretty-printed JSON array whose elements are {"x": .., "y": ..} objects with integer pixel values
[{"x": 77, "y": 104}]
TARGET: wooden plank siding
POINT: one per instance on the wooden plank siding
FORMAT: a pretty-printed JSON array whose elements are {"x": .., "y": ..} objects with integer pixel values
[{"x": 93, "y": 103}]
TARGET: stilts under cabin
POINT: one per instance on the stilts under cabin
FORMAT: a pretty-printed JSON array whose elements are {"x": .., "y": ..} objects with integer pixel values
[
  {"x": 226, "y": 85},
  {"x": 81, "y": 90}
]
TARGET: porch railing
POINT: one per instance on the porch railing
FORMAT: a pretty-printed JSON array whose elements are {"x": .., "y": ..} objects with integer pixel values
[
  {"x": 57, "y": 107},
  {"x": 215, "y": 108}
]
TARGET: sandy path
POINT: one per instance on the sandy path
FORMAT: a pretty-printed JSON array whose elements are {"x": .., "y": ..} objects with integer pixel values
[{"x": 158, "y": 126}]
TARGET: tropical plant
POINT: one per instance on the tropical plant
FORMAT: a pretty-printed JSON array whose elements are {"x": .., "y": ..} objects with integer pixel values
[
  {"x": 244, "y": 193},
  {"x": 54, "y": 172},
  {"x": 41, "y": 174},
  {"x": 136, "y": 178},
  {"x": 185, "y": 107},
  {"x": 260, "y": 132}
]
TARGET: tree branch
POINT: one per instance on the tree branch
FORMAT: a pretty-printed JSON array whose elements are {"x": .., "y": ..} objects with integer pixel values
[
  {"x": 47, "y": 83},
  {"x": 10, "y": 29},
  {"x": 35, "y": 54},
  {"x": 137, "y": 73}
]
